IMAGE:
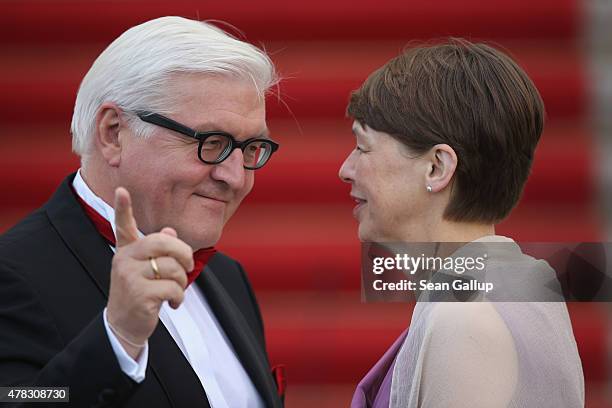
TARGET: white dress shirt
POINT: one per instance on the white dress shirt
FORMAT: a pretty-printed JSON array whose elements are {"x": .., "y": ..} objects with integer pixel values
[{"x": 196, "y": 331}]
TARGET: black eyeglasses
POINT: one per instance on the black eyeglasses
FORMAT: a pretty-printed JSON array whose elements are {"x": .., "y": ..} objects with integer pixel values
[{"x": 216, "y": 146}]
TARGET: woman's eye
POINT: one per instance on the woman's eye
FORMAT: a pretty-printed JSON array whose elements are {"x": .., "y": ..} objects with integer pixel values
[{"x": 360, "y": 149}]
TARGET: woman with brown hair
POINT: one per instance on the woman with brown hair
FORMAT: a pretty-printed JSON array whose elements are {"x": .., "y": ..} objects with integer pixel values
[{"x": 445, "y": 137}]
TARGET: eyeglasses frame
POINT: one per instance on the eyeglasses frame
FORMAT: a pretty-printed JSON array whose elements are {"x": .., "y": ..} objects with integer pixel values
[{"x": 167, "y": 123}]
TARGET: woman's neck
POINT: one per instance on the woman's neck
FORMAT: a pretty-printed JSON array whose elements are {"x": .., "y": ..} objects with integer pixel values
[
  {"x": 448, "y": 231},
  {"x": 462, "y": 232}
]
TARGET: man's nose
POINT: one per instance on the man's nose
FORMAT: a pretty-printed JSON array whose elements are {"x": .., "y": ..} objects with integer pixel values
[{"x": 231, "y": 170}]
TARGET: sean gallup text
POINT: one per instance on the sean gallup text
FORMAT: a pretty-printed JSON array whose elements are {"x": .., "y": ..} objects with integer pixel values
[{"x": 425, "y": 285}]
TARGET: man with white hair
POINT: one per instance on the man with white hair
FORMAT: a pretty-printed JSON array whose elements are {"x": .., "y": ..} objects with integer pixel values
[{"x": 170, "y": 126}]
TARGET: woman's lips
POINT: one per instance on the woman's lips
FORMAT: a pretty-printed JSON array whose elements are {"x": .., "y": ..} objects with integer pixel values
[{"x": 360, "y": 204}]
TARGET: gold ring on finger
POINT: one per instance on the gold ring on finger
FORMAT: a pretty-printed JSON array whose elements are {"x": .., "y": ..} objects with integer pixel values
[{"x": 155, "y": 268}]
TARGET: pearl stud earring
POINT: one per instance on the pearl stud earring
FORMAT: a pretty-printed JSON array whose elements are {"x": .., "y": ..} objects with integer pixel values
[{"x": 429, "y": 189}]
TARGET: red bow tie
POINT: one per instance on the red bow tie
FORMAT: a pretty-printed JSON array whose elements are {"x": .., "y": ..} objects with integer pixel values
[{"x": 200, "y": 257}]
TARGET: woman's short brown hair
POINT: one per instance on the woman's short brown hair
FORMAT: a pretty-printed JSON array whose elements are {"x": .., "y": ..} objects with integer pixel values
[{"x": 475, "y": 99}]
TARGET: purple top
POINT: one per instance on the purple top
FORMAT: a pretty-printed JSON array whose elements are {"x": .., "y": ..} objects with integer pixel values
[{"x": 374, "y": 390}]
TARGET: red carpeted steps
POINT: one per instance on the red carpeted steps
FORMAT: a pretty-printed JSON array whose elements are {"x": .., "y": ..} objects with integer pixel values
[
  {"x": 306, "y": 166},
  {"x": 36, "y": 21},
  {"x": 355, "y": 335},
  {"x": 318, "y": 78},
  {"x": 339, "y": 318},
  {"x": 295, "y": 234}
]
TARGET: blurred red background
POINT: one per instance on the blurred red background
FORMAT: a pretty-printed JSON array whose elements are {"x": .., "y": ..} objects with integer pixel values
[{"x": 295, "y": 233}]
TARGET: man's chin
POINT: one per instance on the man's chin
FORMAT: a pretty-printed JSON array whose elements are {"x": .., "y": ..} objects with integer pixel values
[{"x": 198, "y": 240}]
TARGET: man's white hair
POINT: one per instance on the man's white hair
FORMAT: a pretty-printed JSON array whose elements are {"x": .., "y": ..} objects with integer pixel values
[{"x": 133, "y": 71}]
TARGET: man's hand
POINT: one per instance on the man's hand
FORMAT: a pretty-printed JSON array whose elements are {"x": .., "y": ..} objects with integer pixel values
[{"x": 135, "y": 294}]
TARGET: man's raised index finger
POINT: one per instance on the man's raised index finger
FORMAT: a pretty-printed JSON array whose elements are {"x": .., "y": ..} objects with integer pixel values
[{"x": 126, "y": 229}]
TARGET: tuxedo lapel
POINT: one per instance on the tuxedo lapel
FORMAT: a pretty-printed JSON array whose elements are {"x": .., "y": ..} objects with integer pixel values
[
  {"x": 177, "y": 378},
  {"x": 166, "y": 360},
  {"x": 80, "y": 235},
  {"x": 240, "y": 335}
]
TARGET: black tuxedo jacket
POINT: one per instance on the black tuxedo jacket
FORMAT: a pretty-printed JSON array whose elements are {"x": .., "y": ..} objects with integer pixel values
[{"x": 54, "y": 281}]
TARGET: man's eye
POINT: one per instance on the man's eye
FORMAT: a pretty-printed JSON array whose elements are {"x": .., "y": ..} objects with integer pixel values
[{"x": 212, "y": 143}]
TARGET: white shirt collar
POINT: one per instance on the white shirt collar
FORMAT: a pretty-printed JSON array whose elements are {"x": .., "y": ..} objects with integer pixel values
[{"x": 95, "y": 202}]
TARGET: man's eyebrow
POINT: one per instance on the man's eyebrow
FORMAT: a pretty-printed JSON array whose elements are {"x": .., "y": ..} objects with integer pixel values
[
  {"x": 265, "y": 134},
  {"x": 207, "y": 127},
  {"x": 212, "y": 126}
]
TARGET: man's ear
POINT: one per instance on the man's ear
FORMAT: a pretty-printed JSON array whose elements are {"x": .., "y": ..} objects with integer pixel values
[
  {"x": 108, "y": 126},
  {"x": 442, "y": 166}
]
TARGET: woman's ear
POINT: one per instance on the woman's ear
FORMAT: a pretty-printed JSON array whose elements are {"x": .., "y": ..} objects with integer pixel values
[
  {"x": 442, "y": 166},
  {"x": 108, "y": 125}
]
